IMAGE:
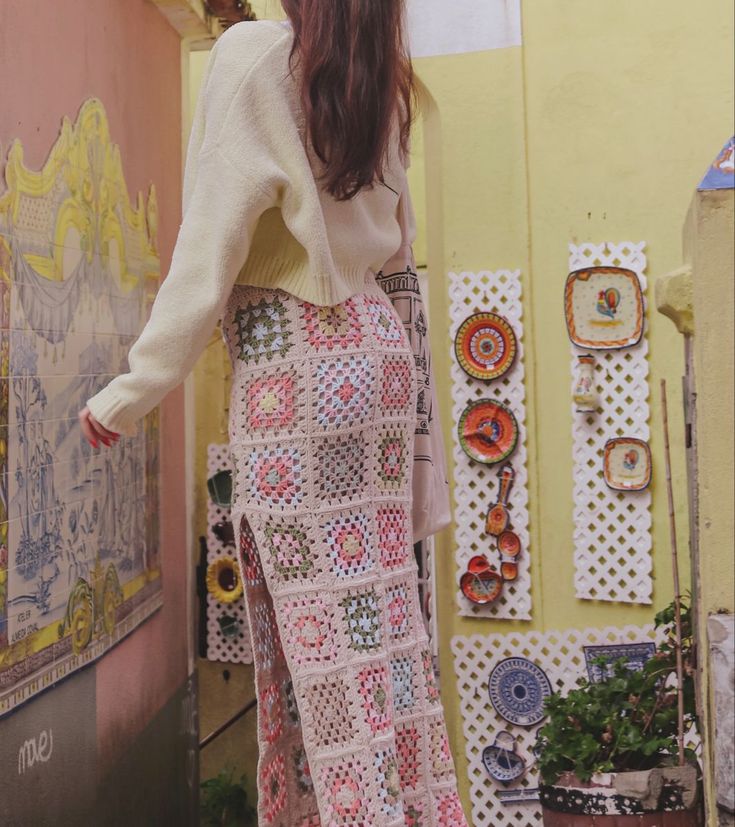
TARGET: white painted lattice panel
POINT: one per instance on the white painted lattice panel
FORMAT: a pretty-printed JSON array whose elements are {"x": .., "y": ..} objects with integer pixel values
[
  {"x": 475, "y": 484},
  {"x": 235, "y": 647},
  {"x": 561, "y": 656},
  {"x": 612, "y": 529}
]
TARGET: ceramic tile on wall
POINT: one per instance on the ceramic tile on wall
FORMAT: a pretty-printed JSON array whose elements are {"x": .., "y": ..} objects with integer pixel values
[{"x": 80, "y": 525}]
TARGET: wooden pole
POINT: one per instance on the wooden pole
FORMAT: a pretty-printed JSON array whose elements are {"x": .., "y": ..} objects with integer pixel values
[{"x": 677, "y": 588}]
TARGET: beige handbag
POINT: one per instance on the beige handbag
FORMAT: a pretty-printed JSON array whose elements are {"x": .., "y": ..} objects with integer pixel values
[{"x": 398, "y": 279}]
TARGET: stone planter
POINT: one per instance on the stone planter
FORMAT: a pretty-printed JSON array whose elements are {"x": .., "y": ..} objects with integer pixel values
[{"x": 666, "y": 797}]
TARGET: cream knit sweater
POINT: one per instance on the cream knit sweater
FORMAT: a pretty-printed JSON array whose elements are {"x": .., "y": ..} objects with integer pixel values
[{"x": 253, "y": 213}]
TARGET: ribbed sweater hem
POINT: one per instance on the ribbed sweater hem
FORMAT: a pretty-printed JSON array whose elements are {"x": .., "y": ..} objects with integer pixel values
[{"x": 328, "y": 288}]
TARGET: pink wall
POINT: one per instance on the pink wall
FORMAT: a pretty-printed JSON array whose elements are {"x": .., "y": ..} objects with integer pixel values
[{"x": 53, "y": 55}]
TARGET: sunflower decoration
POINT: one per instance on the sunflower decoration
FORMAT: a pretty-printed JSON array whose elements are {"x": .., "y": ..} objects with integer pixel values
[{"x": 223, "y": 580}]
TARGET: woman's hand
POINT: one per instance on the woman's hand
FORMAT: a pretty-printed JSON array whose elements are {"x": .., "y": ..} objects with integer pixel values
[{"x": 94, "y": 431}]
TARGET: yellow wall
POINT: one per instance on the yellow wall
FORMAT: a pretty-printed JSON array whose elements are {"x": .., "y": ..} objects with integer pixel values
[{"x": 597, "y": 128}]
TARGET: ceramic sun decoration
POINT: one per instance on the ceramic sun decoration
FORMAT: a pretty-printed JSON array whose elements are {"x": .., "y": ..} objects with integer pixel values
[
  {"x": 488, "y": 431},
  {"x": 223, "y": 580},
  {"x": 584, "y": 394},
  {"x": 485, "y": 346},
  {"x": 603, "y": 307},
  {"x": 627, "y": 464}
]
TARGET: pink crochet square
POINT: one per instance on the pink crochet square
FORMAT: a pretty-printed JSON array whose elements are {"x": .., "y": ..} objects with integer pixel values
[
  {"x": 346, "y": 783},
  {"x": 398, "y": 377},
  {"x": 374, "y": 689},
  {"x": 273, "y": 785},
  {"x": 393, "y": 541},
  {"x": 310, "y": 633}
]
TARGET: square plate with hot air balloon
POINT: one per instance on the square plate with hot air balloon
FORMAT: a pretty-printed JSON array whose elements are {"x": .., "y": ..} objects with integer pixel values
[
  {"x": 603, "y": 307},
  {"x": 627, "y": 464}
]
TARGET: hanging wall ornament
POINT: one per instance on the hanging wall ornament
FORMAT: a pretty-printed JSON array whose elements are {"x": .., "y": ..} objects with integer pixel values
[
  {"x": 481, "y": 583},
  {"x": 603, "y": 307},
  {"x": 501, "y": 760},
  {"x": 498, "y": 516},
  {"x": 627, "y": 464},
  {"x": 518, "y": 689},
  {"x": 488, "y": 431},
  {"x": 485, "y": 346},
  {"x": 509, "y": 570},
  {"x": 509, "y": 544},
  {"x": 223, "y": 580},
  {"x": 584, "y": 393}
]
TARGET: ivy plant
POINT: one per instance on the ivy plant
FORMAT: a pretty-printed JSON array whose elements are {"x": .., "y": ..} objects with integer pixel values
[
  {"x": 627, "y": 721},
  {"x": 224, "y": 802}
]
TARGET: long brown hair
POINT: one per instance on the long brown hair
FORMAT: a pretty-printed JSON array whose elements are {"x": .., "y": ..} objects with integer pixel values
[{"x": 356, "y": 77}]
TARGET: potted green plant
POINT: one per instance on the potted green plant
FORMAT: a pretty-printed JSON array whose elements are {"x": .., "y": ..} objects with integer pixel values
[
  {"x": 609, "y": 752},
  {"x": 224, "y": 802}
]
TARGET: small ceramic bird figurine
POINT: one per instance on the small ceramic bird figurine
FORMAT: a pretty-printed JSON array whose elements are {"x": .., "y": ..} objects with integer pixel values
[{"x": 607, "y": 302}]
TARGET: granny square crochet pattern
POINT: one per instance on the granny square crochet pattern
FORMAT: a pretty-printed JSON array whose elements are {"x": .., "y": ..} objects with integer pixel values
[{"x": 351, "y": 730}]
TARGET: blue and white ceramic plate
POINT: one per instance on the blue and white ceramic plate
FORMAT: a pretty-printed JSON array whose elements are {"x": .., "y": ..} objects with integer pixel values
[
  {"x": 501, "y": 759},
  {"x": 517, "y": 690}
]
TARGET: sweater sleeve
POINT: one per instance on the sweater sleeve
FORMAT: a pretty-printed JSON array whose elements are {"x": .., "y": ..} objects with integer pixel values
[{"x": 222, "y": 205}]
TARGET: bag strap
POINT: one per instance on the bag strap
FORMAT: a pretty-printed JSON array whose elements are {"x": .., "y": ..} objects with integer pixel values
[{"x": 403, "y": 222}]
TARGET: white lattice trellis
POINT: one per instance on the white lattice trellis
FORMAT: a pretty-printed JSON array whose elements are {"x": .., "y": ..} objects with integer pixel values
[
  {"x": 612, "y": 529},
  {"x": 561, "y": 656},
  {"x": 230, "y": 648},
  {"x": 476, "y": 485}
]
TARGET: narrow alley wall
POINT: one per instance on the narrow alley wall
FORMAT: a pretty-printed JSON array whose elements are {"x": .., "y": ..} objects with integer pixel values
[{"x": 113, "y": 742}]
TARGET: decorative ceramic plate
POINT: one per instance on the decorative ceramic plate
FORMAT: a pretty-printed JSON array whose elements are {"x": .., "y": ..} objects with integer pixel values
[
  {"x": 481, "y": 586},
  {"x": 478, "y": 564},
  {"x": 485, "y": 346},
  {"x": 220, "y": 488},
  {"x": 627, "y": 464},
  {"x": 501, "y": 760},
  {"x": 636, "y": 655},
  {"x": 603, "y": 307},
  {"x": 488, "y": 431},
  {"x": 517, "y": 690},
  {"x": 509, "y": 544},
  {"x": 509, "y": 571}
]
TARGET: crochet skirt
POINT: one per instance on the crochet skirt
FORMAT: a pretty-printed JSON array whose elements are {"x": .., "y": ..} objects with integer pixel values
[{"x": 351, "y": 729}]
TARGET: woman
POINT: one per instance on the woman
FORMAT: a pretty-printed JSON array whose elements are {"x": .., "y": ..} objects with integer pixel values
[{"x": 295, "y": 175}]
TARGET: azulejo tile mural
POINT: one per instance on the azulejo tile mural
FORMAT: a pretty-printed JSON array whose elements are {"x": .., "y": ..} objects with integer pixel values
[{"x": 79, "y": 533}]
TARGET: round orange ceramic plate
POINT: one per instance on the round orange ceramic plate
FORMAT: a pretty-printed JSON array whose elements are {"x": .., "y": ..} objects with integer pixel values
[
  {"x": 485, "y": 346},
  {"x": 488, "y": 431},
  {"x": 509, "y": 544}
]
